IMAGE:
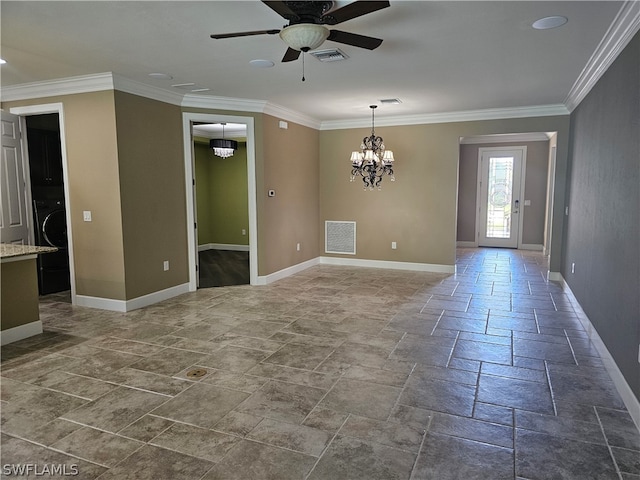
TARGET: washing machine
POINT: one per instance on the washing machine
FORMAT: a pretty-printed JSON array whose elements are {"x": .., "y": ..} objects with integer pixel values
[{"x": 50, "y": 221}]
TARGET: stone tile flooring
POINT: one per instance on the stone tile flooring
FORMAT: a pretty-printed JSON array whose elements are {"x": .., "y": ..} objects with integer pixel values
[{"x": 333, "y": 373}]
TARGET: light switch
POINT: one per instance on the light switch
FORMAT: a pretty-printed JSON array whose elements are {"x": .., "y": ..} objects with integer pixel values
[{"x": 86, "y": 215}]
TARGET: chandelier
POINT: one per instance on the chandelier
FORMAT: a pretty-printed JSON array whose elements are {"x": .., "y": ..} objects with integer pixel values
[
  {"x": 221, "y": 147},
  {"x": 373, "y": 161}
]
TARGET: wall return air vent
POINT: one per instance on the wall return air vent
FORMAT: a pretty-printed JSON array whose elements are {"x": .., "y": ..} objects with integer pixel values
[
  {"x": 332, "y": 55},
  {"x": 340, "y": 237}
]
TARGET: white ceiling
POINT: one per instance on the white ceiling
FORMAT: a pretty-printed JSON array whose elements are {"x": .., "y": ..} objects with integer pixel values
[{"x": 436, "y": 57}]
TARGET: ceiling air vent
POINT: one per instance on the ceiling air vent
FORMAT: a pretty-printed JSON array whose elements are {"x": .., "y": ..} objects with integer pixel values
[{"x": 332, "y": 55}]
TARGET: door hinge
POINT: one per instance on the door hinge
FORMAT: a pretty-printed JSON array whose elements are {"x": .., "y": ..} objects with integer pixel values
[
  {"x": 195, "y": 225},
  {"x": 193, "y": 181}
]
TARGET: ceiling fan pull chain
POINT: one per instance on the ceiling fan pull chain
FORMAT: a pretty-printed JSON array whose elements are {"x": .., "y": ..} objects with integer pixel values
[{"x": 303, "y": 79}]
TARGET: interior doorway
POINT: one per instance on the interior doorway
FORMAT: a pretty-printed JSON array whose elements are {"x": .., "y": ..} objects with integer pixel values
[
  {"x": 47, "y": 193},
  {"x": 535, "y": 198},
  {"x": 189, "y": 120},
  {"x": 222, "y": 217}
]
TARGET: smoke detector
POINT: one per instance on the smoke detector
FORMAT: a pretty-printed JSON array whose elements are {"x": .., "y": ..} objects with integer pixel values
[{"x": 332, "y": 55}]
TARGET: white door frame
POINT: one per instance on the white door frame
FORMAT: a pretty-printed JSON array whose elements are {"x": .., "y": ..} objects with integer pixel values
[
  {"x": 548, "y": 219},
  {"x": 59, "y": 109},
  {"x": 188, "y": 118},
  {"x": 520, "y": 220}
]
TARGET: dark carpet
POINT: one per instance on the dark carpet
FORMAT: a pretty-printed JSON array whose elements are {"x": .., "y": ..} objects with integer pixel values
[{"x": 221, "y": 268}]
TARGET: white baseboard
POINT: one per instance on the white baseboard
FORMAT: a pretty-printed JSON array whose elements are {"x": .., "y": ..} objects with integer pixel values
[
  {"x": 628, "y": 397},
  {"x": 20, "y": 332},
  {"x": 417, "y": 267},
  {"x": 223, "y": 246},
  {"x": 554, "y": 277},
  {"x": 285, "y": 272},
  {"x": 531, "y": 246},
  {"x": 133, "y": 304},
  {"x": 466, "y": 244}
]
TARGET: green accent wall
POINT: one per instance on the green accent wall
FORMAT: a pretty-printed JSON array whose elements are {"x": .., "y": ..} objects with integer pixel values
[{"x": 221, "y": 195}]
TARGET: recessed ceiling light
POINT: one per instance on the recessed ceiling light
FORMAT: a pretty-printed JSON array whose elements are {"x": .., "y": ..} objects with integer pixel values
[
  {"x": 547, "y": 23},
  {"x": 259, "y": 63},
  {"x": 161, "y": 76}
]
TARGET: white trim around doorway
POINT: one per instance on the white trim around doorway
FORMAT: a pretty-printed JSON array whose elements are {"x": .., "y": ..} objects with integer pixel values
[
  {"x": 187, "y": 119},
  {"x": 59, "y": 109}
]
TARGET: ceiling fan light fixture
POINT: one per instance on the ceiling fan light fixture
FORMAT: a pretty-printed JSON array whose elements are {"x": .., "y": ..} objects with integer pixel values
[{"x": 304, "y": 36}]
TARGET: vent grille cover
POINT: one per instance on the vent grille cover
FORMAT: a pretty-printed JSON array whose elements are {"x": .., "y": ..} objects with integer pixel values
[
  {"x": 332, "y": 55},
  {"x": 340, "y": 237}
]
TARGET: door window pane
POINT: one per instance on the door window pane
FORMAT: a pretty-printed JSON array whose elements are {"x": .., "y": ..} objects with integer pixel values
[{"x": 500, "y": 185}]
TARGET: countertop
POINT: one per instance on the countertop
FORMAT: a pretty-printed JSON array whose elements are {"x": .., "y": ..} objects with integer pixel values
[{"x": 13, "y": 251}]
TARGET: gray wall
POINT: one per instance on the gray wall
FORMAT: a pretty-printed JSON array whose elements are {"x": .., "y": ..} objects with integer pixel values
[
  {"x": 535, "y": 189},
  {"x": 602, "y": 236}
]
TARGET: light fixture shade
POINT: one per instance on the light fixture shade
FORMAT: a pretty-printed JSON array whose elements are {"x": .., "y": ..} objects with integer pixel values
[
  {"x": 223, "y": 147},
  {"x": 388, "y": 156},
  {"x": 304, "y": 36},
  {"x": 369, "y": 156},
  {"x": 356, "y": 158}
]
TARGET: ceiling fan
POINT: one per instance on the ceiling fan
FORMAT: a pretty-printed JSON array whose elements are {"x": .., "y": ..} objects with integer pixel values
[{"x": 306, "y": 29}]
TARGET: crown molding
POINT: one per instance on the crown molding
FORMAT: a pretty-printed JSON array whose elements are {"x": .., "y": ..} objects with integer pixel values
[
  {"x": 60, "y": 86},
  {"x": 291, "y": 116},
  {"x": 624, "y": 26},
  {"x": 449, "y": 117},
  {"x": 223, "y": 103},
  {"x": 507, "y": 138},
  {"x": 127, "y": 85}
]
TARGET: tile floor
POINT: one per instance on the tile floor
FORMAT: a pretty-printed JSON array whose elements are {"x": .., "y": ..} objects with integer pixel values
[{"x": 334, "y": 373}]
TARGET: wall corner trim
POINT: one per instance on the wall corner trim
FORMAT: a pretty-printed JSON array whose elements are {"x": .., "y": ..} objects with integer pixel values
[
  {"x": 20, "y": 332},
  {"x": 624, "y": 26},
  {"x": 133, "y": 304},
  {"x": 628, "y": 397}
]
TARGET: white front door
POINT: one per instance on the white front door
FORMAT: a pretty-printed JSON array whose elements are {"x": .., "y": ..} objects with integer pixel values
[
  {"x": 15, "y": 216},
  {"x": 500, "y": 202}
]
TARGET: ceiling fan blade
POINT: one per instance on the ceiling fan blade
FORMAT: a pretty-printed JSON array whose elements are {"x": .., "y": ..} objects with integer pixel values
[
  {"x": 291, "y": 55},
  {"x": 354, "y": 39},
  {"x": 352, "y": 10},
  {"x": 282, "y": 9},
  {"x": 245, "y": 34}
]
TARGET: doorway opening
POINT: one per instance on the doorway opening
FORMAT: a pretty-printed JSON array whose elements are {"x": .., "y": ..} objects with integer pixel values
[
  {"x": 191, "y": 121},
  {"x": 505, "y": 190},
  {"x": 44, "y": 153},
  {"x": 221, "y": 192},
  {"x": 47, "y": 193}
]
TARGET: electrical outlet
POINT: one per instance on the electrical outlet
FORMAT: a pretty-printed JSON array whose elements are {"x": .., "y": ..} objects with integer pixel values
[
  {"x": 165, "y": 265},
  {"x": 394, "y": 245},
  {"x": 298, "y": 247},
  {"x": 244, "y": 232},
  {"x": 86, "y": 215}
]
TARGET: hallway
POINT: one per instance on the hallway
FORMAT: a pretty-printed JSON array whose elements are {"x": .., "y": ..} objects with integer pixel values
[{"x": 332, "y": 373}]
